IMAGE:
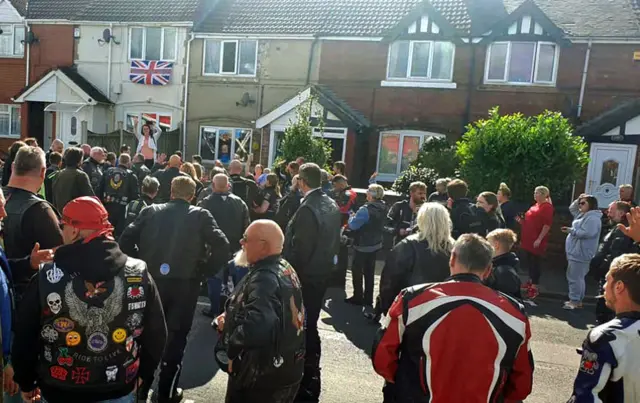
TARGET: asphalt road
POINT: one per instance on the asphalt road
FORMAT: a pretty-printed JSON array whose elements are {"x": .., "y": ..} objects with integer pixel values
[{"x": 347, "y": 372}]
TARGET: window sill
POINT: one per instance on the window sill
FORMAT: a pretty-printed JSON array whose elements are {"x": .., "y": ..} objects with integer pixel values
[
  {"x": 10, "y": 136},
  {"x": 419, "y": 84},
  {"x": 11, "y": 56},
  {"x": 245, "y": 76},
  {"x": 518, "y": 87},
  {"x": 386, "y": 178}
]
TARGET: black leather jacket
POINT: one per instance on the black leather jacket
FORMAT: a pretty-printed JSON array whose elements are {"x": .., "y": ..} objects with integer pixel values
[
  {"x": 119, "y": 185},
  {"x": 141, "y": 171},
  {"x": 312, "y": 241},
  {"x": 231, "y": 214},
  {"x": 264, "y": 326},
  {"x": 177, "y": 240},
  {"x": 615, "y": 243},
  {"x": 467, "y": 218},
  {"x": 93, "y": 169},
  {"x": 400, "y": 216},
  {"x": 409, "y": 263},
  {"x": 165, "y": 176},
  {"x": 504, "y": 275}
]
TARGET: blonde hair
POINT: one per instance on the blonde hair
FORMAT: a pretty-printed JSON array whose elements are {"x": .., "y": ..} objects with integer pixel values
[
  {"x": 435, "y": 227},
  {"x": 376, "y": 191},
  {"x": 504, "y": 189},
  {"x": 183, "y": 187},
  {"x": 190, "y": 170},
  {"x": 505, "y": 237},
  {"x": 543, "y": 190}
]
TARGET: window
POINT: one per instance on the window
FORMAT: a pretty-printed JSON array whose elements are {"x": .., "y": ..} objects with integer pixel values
[
  {"x": 397, "y": 150},
  {"x": 11, "y": 40},
  {"x": 336, "y": 136},
  {"x": 153, "y": 43},
  {"x": 224, "y": 144},
  {"x": 74, "y": 125},
  {"x": 232, "y": 57},
  {"x": 421, "y": 60},
  {"x": 133, "y": 120},
  {"x": 522, "y": 63},
  {"x": 10, "y": 120}
]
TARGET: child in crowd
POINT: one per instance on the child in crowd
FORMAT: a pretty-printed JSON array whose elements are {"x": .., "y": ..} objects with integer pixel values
[{"x": 504, "y": 274}]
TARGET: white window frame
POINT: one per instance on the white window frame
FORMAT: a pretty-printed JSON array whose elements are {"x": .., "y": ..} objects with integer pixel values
[
  {"x": 14, "y": 27},
  {"x": 139, "y": 114},
  {"x": 535, "y": 62},
  {"x": 222, "y": 42},
  {"x": 11, "y": 135},
  {"x": 144, "y": 43},
  {"x": 429, "y": 68},
  {"x": 423, "y": 135},
  {"x": 316, "y": 133},
  {"x": 233, "y": 143}
]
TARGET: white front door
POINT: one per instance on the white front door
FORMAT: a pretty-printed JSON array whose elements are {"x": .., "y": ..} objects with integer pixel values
[
  {"x": 611, "y": 165},
  {"x": 70, "y": 131}
]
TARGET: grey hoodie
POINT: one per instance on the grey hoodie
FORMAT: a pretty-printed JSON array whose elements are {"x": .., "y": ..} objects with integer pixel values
[{"x": 582, "y": 243}]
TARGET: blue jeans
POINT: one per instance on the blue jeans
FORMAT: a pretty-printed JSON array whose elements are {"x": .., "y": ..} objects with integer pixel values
[
  {"x": 130, "y": 398},
  {"x": 576, "y": 272},
  {"x": 240, "y": 272}
]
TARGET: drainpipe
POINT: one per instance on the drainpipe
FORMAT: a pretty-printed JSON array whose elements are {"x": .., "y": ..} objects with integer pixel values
[
  {"x": 472, "y": 71},
  {"x": 186, "y": 95},
  {"x": 28, "y": 51},
  {"x": 311, "y": 53},
  {"x": 583, "y": 85},
  {"x": 109, "y": 62}
]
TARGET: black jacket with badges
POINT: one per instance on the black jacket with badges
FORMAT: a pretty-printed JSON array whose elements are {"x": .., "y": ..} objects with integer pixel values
[
  {"x": 400, "y": 216},
  {"x": 264, "y": 327},
  {"x": 177, "y": 240},
  {"x": 467, "y": 218},
  {"x": 246, "y": 189},
  {"x": 90, "y": 324},
  {"x": 94, "y": 170},
  {"x": 119, "y": 185},
  {"x": 231, "y": 214},
  {"x": 165, "y": 176},
  {"x": 141, "y": 171},
  {"x": 615, "y": 243},
  {"x": 504, "y": 275},
  {"x": 312, "y": 241}
]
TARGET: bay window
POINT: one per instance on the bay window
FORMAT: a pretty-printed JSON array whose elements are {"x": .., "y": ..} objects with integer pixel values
[
  {"x": 397, "y": 150},
  {"x": 11, "y": 40},
  {"x": 224, "y": 144},
  {"x": 230, "y": 57},
  {"x": 10, "y": 120},
  {"x": 522, "y": 63},
  {"x": 153, "y": 43},
  {"x": 421, "y": 60}
]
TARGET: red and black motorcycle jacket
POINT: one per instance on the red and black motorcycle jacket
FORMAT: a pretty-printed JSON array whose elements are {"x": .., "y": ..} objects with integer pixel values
[{"x": 456, "y": 341}]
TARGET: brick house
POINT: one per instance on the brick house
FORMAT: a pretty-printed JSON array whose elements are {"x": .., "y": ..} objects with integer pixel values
[
  {"x": 12, "y": 69},
  {"x": 416, "y": 69}
]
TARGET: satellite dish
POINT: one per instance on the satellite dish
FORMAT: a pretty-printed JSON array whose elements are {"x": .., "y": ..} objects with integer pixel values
[{"x": 106, "y": 35}]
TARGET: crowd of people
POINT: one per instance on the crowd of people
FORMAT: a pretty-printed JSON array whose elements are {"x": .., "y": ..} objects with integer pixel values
[{"x": 105, "y": 255}]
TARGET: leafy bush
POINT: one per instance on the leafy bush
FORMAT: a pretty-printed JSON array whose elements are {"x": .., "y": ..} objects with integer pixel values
[
  {"x": 523, "y": 152},
  {"x": 413, "y": 174},
  {"x": 437, "y": 154},
  {"x": 298, "y": 140}
]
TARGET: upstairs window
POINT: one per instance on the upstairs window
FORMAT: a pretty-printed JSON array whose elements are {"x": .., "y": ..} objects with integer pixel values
[
  {"x": 153, "y": 44},
  {"x": 230, "y": 57},
  {"x": 11, "y": 40},
  {"x": 421, "y": 60},
  {"x": 522, "y": 63}
]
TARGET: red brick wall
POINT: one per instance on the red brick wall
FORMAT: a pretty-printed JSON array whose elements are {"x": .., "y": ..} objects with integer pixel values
[
  {"x": 12, "y": 80},
  {"x": 55, "y": 48}
]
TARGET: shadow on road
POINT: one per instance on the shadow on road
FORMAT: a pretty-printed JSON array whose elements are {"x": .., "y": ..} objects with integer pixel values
[
  {"x": 199, "y": 362},
  {"x": 578, "y": 319},
  {"x": 348, "y": 320}
]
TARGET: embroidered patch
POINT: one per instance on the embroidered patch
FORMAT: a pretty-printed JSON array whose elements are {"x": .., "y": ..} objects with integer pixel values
[
  {"x": 165, "y": 269},
  {"x": 97, "y": 342},
  {"x": 80, "y": 375},
  {"x": 134, "y": 271},
  {"x": 135, "y": 292},
  {"x": 47, "y": 353},
  {"x": 73, "y": 339},
  {"x": 54, "y": 274},
  {"x": 58, "y": 373},
  {"x": 49, "y": 334},
  {"x": 132, "y": 371},
  {"x": 137, "y": 305},
  {"x": 119, "y": 335},
  {"x": 55, "y": 302},
  {"x": 112, "y": 373},
  {"x": 134, "y": 279},
  {"x": 589, "y": 363},
  {"x": 129, "y": 345},
  {"x": 134, "y": 320},
  {"x": 93, "y": 290},
  {"x": 63, "y": 357},
  {"x": 297, "y": 315},
  {"x": 95, "y": 319},
  {"x": 63, "y": 325}
]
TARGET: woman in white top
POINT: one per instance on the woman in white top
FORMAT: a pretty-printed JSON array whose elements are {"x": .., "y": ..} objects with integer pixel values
[{"x": 148, "y": 143}]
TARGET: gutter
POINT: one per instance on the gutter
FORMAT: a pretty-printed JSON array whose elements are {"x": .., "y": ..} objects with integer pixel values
[
  {"x": 186, "y": 95},
  {"x": 583, "y": 85},
  {"x": 471, "y": 84}
]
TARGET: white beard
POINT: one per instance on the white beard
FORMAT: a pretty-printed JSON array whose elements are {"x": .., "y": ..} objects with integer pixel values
[{"x": 240, "y": 259}]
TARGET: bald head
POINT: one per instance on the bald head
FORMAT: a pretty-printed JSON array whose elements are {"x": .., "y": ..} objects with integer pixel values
[
  {"x": 220, "y": 183},
  {"x": 270, "y": 233},
  {"x": 235, "y": 167},
  {"x": 175, "y": 161}
]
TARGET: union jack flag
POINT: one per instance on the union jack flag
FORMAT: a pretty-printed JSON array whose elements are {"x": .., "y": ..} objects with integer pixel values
[{"x": 150, "y": 72}]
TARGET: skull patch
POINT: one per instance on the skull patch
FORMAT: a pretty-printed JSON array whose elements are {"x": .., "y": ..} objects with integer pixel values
[{"x": 55, "y": 302}]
